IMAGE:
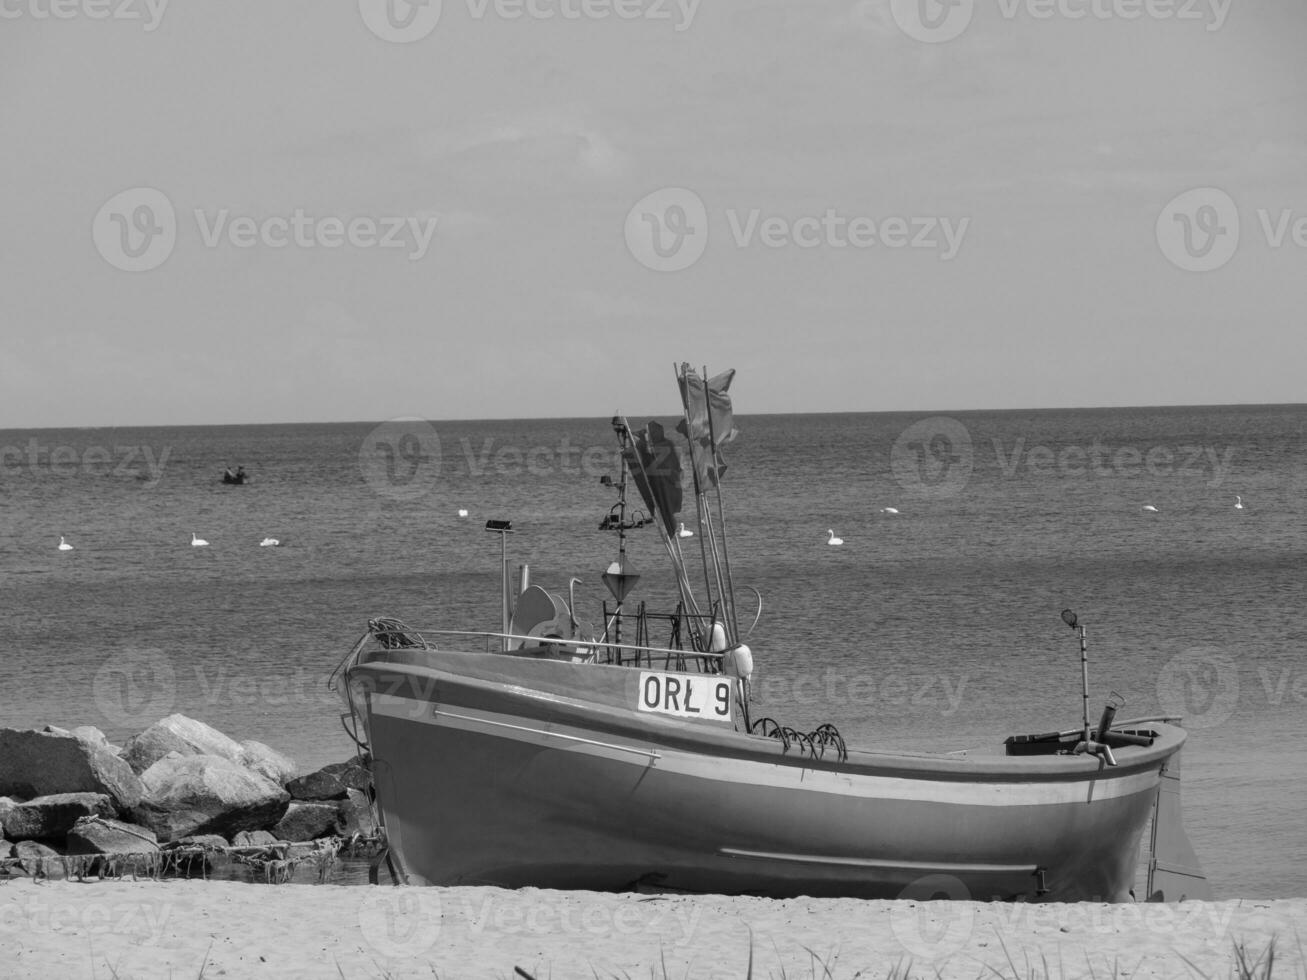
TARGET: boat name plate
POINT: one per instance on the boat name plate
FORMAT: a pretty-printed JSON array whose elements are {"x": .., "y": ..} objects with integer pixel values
[{"x": 686, "y": 695}]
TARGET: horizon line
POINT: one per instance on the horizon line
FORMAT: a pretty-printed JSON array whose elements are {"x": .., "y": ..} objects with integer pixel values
[{"x": 925, "y": 413}]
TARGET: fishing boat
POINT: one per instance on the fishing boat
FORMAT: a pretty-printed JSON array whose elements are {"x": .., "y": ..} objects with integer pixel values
[{"x": 549, "y": 753}]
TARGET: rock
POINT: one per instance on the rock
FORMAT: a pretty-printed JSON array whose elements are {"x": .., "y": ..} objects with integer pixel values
[
  {"x": 51, "y": 817},
  {"x": 207, "y": 794},
  {"x": 253, "y": 838},
  {"x": 180, "y": 734},
  {"x": 155, "y": 743},
  {"x": 39, "y": 860},
  {"x": 96, "y": 835},
  {"x": 267, "y": 762},
  {"x": 43, "y": 763},
  {"x": 210, "y": 842},
  {"x": 204, "y": 739},
  {"x": 89, "y": 733},
  {"x": 331, "y": 782},
  {"x": 356, "y": 815},
  {"x": 180, "y": 857},
  {"x": 307, "y": 821}
]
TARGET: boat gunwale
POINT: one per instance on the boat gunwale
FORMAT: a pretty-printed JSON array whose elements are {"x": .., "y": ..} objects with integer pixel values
[{"x": 558, "y": 711}]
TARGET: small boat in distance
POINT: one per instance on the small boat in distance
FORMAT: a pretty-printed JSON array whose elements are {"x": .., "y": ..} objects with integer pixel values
[
  {"x": 552, "y": 754},
  {"x": 237, "y": 479}
]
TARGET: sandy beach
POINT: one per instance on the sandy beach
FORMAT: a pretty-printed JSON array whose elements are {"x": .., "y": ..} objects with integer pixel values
[{"x": 147, "y": 929}]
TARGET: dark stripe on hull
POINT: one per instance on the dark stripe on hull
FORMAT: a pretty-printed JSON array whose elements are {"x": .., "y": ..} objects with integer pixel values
[{"x": 509, "y": 809}]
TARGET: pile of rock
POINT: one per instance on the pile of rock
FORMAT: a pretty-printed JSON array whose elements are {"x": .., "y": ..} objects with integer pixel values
[{"x": 179, "y": 786}]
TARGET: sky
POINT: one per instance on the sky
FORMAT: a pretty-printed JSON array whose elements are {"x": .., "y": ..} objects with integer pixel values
[{"x": 229, "y": 211}]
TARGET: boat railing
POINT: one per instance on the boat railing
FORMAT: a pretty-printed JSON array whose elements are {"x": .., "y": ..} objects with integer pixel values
[{"x": 578, "y": 649}]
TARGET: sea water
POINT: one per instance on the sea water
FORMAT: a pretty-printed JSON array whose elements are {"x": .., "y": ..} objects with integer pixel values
[{"x": 936, "y": 627}]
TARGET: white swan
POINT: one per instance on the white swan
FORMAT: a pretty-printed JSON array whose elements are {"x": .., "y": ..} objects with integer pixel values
[
  {"x": 462, "y": 512},
  {"x": 269, "y": 543},
  {"x": 832, "y": 539},
  {"x": 198, "y": 542},
  {"x": 64, "y": 545},
  {"x": 1238, "y": 504},
  {"x": 889, "y": 510},
  {"x": 681, "y": 532},
  {"x": 1150, "y": 508}
]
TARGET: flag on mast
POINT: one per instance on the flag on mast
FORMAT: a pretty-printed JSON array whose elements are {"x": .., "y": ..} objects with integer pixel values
[
  {"x": 655, "y": 467},
  {"x": 711, "y": 421}
]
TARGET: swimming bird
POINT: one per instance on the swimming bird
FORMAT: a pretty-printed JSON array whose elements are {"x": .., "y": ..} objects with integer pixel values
[
  {"x": 1150, "y": 508},
  {"x": 197, "y": 541},
  {"x": 1238, "y": 504},
  {"x": 64, "y": 545},
  {"x": 462, "y": 512},
  {"x": 269, "y": 543},
  {"x": 681, "y": 532},
  {"x": 832, "y": 539},
  {"x": 889, "y": 510}
]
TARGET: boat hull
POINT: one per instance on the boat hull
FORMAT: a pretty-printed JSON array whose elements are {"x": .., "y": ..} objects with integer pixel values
[{"x": 512, "y": 772}]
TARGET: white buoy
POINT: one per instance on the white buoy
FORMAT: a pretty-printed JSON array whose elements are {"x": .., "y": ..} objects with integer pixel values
[
  {"x": 269, "y": 543},
  {"x": 738, "y": 662},
  {"x": 64, "y": 545},
  {"x": 716, "y": 638},
  {"x": 462, "y": 512},
  {"x": 681, "y": 532},
  {"x": 197, "y": 541},
  {"x": 831, "y": 539}
]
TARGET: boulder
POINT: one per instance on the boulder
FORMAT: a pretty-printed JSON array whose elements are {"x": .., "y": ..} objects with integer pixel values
[
  {"x": 97, "y": 835},
  {"x": 207, "y": 794},
  {"x": 180, "y": 734},
  {"x": 267, "y": 762},
  {"x": 36, "y": 763},
  {"x": 210, "y": 842},
  {"x": 155, "y": 743},
  {"x": 51, "y": 817},
  {"x": 331, "y": 782},
  {"x": 39, "y": 860},
  {"x": 356, "y": 815},
  {"x": 253, "y": 838},
  {"x": 89, "y": 733},
  {"x": 307, "y": 821}
]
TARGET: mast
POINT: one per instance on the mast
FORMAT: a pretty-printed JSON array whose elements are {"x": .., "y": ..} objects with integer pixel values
[{"x": 728, "y": 593}]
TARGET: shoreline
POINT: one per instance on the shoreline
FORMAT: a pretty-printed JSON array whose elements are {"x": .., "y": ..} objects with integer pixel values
[{"x": 192, "y": 928}]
